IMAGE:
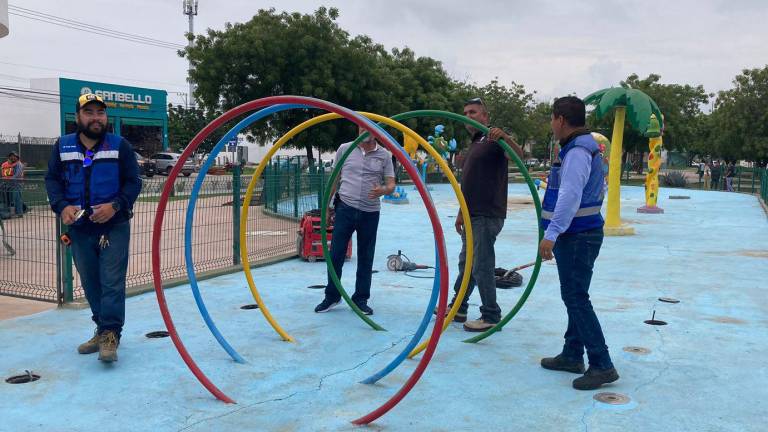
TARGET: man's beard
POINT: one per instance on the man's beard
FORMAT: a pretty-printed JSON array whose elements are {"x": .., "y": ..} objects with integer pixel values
[{"x": 90, "y": 134}]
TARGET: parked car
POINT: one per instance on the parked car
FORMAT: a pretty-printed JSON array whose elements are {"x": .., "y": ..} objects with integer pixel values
[
  {"x": 165, "y": 161},
  {"x": 147, "y": 167}
]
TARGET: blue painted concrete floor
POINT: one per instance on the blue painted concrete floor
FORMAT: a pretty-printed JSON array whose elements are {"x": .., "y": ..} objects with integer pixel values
[{"x": 706, "y": 370}]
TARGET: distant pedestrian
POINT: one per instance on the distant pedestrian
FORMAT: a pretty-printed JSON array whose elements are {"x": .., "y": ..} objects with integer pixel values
[
  {"x": 730, "y": 173},
  {"x": 716, "y": 172},
  {"x": 707, "y": 176},
  {"x": 10, "y": 185}
]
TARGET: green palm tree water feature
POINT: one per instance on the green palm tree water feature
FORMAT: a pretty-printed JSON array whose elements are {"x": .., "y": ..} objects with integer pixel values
[{"x": 627, "y": 104}]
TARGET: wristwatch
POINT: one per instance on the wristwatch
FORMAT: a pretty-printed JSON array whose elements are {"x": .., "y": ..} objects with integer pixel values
[{"x": 116, "y": 205}]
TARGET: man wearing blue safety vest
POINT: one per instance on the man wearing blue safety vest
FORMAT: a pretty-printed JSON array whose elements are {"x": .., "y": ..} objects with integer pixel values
[
  {"x": 92, "y": 183},
  {"x": 573, "y": 228}
]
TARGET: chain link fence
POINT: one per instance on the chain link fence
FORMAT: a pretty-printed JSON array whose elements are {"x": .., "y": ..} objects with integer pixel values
[
  {"x": 30, "y": 252},
  {"x": 41, "y": 268}
]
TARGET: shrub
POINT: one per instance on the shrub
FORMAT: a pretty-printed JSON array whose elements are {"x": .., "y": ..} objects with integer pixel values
[{"x": 674, "y": 179}]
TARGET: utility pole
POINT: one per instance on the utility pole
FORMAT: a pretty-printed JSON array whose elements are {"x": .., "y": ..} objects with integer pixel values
[{"x": 190, "y": 9}]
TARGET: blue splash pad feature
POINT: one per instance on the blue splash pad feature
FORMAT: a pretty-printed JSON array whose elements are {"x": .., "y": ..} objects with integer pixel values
[{"x": 706, "y": 369}]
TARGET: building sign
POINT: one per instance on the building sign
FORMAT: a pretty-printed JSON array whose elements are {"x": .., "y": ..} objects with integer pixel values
[
  {"x": 121, "y": 100},
  {"x": 138, "y": 114}
]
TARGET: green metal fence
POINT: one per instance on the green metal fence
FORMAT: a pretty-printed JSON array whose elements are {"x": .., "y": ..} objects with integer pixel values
[
  {"x": 41, "y": 268},
  {"x": 291, "y": 188},
  {"x": 30, "y": 252}
]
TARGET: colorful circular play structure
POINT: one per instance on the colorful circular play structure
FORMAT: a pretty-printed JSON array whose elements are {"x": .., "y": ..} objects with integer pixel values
[
  {"x": 439, "y": 295},
  {"x": 440, "y": 275}
]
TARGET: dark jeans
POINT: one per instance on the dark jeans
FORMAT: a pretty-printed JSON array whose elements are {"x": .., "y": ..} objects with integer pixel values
[
  {"x": 102, "y": 272},
  {"x": 11, "y": 196},
  {"x": 484, "y": 232},
  {"x": 576, "y": 255},
  {"x": 348, "y": 220}
]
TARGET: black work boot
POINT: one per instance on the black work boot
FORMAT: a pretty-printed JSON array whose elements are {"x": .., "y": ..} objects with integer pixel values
[
  {"x": 559, "y": 363},
  {"x": 594, "y": 378}
]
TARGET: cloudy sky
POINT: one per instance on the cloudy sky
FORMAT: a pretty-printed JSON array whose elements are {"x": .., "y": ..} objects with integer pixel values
[{"x": 553, "y": 47}]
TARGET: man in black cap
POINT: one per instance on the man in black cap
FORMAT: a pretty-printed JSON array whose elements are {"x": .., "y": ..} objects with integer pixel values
[{"x": 92, "y": 182}]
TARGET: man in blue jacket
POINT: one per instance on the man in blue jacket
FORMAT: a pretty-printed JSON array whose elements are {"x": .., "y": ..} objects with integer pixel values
[
  {"x": 573, "y": 228},
  {"x": 92, "y": 183}
]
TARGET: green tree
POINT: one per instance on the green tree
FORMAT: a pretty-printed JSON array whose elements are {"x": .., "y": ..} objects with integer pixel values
[
  {"x": 184, "y": 124},
  {"x": 511, "y": 108},
  {"x": 739, "y": 124},
  {"x": 680, "y": 105},
  {"x": 282, "y": 53}
]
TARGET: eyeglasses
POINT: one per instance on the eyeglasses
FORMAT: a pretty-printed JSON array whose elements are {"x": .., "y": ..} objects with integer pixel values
[{"x": 88, "y": 159}]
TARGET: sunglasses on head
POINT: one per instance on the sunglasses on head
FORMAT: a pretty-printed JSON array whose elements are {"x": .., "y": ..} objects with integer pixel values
[
  {"x": 476, "y": 100},
  {"x": 88, "y": 159}
]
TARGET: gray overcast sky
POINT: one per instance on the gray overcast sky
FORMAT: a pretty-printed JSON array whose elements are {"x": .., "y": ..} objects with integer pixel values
[{"x": 554, "y": 47}]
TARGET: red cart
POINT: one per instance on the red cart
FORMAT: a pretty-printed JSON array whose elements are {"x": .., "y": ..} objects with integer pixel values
[{"x": 308, "y": 243}]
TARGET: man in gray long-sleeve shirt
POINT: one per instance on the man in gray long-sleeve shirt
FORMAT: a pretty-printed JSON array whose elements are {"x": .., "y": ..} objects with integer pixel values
[
  {"x": 574, "y": 234},
  {"x": 366, "y": 175}
]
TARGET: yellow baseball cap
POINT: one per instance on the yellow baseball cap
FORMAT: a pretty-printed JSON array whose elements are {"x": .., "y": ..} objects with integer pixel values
[{"x": 87, "y": 98}]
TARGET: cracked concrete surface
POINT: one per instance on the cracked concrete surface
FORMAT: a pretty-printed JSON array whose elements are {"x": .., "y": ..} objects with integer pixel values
[{"x": 706, "y": 370}]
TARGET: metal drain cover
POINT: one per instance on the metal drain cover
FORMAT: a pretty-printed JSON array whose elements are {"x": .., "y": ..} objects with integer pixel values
[
  {"x": 668, "y": 300},
  {"x": 157, "y": 334},
  {"x": 249, "y": 306},
  {"x": 655, "y": 322},
  {"x": 637, "y": 350},
  {"x": 611, "y": 398},
  {"x": 23, "y": 379},
  {"x": 679, "y": 197}
]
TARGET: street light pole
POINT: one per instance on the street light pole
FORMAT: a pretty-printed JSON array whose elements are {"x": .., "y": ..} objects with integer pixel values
[
  {"x": 185, "y": 96},
  {"x": 190, "y": 9}
]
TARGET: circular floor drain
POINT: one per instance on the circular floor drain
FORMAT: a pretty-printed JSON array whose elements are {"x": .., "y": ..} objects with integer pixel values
[
  {"x": 679, "y": 197},
  {"x": 23, "y": 379},
  {"x": 637, "y": 350},
  {"x": 655, "y": 322},
  {"x": 249, "y": 306},
  {"x": 668, "y": 300},
  {"x": 611, "y": 398},
  {"x": 157, "y": 334},
  {"x": 316, "y": 286}
]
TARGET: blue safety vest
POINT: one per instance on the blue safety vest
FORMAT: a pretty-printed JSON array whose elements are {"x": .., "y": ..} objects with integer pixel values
[
  {"x": 588, "y": 215},
  {"x": 97, "y": 184}
]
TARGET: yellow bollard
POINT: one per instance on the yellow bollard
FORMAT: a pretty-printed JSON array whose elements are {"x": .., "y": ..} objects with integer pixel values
[{"x": 613, "y": 225}]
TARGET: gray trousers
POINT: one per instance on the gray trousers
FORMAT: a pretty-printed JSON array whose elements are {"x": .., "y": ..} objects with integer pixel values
[{"x": 484, "y": 232}]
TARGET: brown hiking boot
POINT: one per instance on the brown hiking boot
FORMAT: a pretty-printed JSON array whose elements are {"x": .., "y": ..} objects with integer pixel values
[
  {"x": 478, "y": 325},
  {"x": 108, "y": 346},
  {"x": 91, "y": 346}
]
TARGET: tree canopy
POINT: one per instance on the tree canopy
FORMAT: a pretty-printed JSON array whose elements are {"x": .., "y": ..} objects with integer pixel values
[{"x": 278, "y": 53}]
